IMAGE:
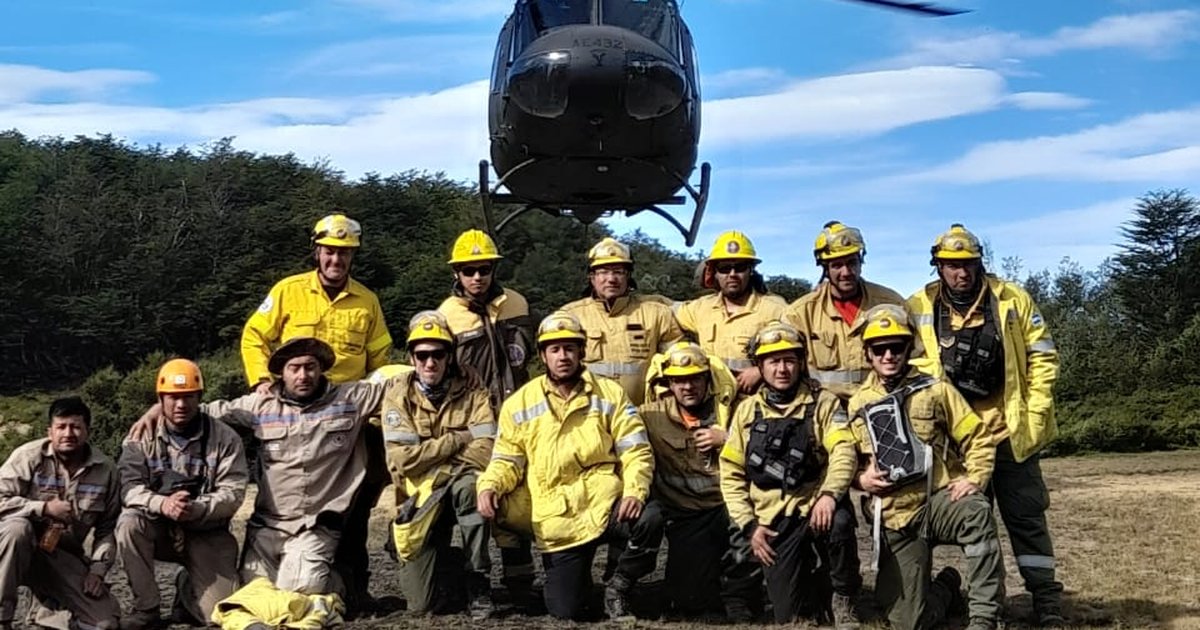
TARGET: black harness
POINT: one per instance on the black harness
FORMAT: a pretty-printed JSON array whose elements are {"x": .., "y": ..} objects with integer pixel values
[
  {"x": 782, "y": 452},
  {"x": 973, "y": 358}
]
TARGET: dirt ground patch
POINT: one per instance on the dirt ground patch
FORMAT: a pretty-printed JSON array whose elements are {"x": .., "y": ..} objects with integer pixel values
[{"x": 1123, "y": 530}]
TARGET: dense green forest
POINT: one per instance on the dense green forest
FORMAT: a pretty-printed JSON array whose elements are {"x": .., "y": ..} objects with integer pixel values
[{"x": 118, "y": 256}]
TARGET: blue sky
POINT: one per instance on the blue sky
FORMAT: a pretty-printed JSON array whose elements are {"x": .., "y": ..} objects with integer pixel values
[{"x": 1035, "y": 123}]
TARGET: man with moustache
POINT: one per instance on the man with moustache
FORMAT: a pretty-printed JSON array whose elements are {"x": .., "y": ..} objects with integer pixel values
[
  {"x": 181, "y": 487},
  {"x": 54, "y": 492},
  {"x": 723, "y": 322}
]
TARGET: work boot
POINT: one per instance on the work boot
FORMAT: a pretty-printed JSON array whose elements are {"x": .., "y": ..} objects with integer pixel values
[
  {"x": 980, "y": 623},
  {"x": 951, "y": 580},
  {"x": 479, "y": 590},
  {"x": 142, "y": 620},
  {"x": 737, "y": 611},
  {"x": 1048, "y": 618},
  {"x": 845, "y": 617},
  {"x": 616, "y": 599}
]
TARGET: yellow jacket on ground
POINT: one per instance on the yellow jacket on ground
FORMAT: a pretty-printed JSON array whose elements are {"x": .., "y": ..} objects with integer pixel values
[
  {"x": 578, "y": 456},
  {"x": 297, "y": 306},
  {"x": 259, "y": 602},
  {"x": 834, "y": 442},
  {"x": 723, "y": 335},
  {"x": 497, "y": 347},
  {"x": 621, "y": 339},
  {"x": 1030, "y": 362},
  {"x": 938, "y": 414},
  {"x": 835, "y": 350}
]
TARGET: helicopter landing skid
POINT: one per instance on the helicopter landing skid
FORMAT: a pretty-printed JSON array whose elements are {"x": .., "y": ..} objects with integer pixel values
[{"x": 587, "y": 213}]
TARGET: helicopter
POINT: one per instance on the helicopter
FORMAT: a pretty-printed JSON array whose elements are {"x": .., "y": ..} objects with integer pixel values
[{"x": 594, "y": 108}]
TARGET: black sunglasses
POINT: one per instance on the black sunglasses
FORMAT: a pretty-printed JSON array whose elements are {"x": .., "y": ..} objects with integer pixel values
[
  {"x": 897, "y": 348},
  {"x": 729, "y": 268},
  {"x": 471, "y": 272},
  {"x": 424, "y": 355}
]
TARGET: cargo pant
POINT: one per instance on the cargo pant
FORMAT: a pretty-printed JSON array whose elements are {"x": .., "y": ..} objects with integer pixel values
[
  {"x": 301, "y": 562},
  {"x": 56, "y": 579},
  {"x": 513, "y": 531},
  {"x": 904, "y": 587},
  {"x": 1022, "y": 499},
  {"x": 419, "y": 576},
  {"x": 353, "y": 559},
  {"x": 209, "y": 558}
]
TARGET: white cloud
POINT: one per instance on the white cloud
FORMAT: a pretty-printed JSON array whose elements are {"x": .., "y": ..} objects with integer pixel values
[
  {"x": 399, "y": 56},
  {"x": 434, "y": 10},
  {"x": 25, "y": 83},
  {"x": 744, "y": 79},
  {"x": 1155, "y": 147},
  {"x": 1047, "y": 100}
]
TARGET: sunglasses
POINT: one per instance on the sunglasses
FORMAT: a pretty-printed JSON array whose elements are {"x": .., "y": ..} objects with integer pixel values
[
  {"x": 898, "y": 348},
  {"x": 727, "y": 269},
  {"x": 424, "y": 355},
  {"x": 471, "y": 272}
]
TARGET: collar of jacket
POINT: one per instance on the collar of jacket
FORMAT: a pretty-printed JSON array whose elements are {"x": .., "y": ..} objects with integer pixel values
[
  {"x": 325, "y": 397},
  {"x": 718, "y": 303},
  {"x": 456, "y": 388},
  {"x": 352, "y": 286},
  {"x": 875, "y": 385},
  {"x": 494, "y": 294},
  {"x": 804, "y": 396},
  {"x": 825, "y": 293}
]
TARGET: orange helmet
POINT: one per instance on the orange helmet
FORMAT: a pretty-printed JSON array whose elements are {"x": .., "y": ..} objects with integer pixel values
[{"x": 179, "y": 376}]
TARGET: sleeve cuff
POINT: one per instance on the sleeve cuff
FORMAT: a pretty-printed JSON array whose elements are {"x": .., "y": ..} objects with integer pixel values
[
  {"x": 38, "y": 508},
  {"x": 154, "y": 505}
]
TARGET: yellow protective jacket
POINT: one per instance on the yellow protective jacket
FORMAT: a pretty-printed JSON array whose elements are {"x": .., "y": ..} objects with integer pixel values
[
  {"x": 578, "y": 456},
  {"x": 1030, "y": 361},
  {"x": 724, "y": 335},
  {"x": 498, "y": 347},
  {"x": 297, "y": 306},
  {"x": 622, "y": 338},
  {"x": 835, "y": 350},
  {"x": 939, "y": 415},
  {"x": 747, "y": 502},
  {"x": 259, "y": 602}
]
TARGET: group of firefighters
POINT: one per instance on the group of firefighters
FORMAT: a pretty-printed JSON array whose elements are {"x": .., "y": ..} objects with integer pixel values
[{"x": 734, "y": 425}]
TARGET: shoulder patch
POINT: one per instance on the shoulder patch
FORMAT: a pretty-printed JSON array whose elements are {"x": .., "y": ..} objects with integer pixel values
[
  {"x": 392, "y": 419},
  {"x": 267, "y": 305}
]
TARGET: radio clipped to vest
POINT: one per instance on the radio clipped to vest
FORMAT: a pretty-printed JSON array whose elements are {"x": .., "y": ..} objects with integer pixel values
[
  {"x": 899, "y": 452},
  {"x": 781, "y": 452},
  {"x": 973, "y": 358}
]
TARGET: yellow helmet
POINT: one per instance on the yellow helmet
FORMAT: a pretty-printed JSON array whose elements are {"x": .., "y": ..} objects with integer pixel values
[
  {"x": 836, "y": 240},
  {"x": 774, "y": 337},
  {"x": 473, "y": 246},
  {"x": 732, "y": 245},
  {"x": 956, "y": 244},
  {"x": 429, "y": 326},
  {"x": 685, "y": 359},
  {"x": 558, "y": 326},
  {"x": 886, "y": 320},
  {"x": 337, "y": 230},
  {"x": 179, "y": 376},
  {"x": 609, "y": 251}
]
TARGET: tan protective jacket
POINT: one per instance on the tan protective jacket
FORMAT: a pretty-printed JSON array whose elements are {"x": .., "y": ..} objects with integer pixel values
[
  {"x": 835, "y": 350},
  {"x": 726, "y": 336},
  {"x": 747, "y": 502},
  {"x": 32, "y": 475},
  {"x": 621, "y": 339},
  {"x": 313, "y": 456},
  {"x": 498, "y": 347},
  {"x": 684, "y": 478},
  {"x": 577, "y": 456},
  {"x": 351, "y": 323},
  {"x": 219, "y": 459},
  {"x": 938, "y": 415}
]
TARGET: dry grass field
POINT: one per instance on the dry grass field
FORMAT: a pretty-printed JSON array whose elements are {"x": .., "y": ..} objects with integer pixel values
[{"x": 1125, "y": 531}]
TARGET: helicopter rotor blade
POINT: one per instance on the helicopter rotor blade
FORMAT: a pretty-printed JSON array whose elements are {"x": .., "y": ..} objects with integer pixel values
[{"x": 927, "y": 9}]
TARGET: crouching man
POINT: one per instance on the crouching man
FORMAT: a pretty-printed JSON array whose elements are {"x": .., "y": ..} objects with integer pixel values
[
  {"x": 439, "y": 430},
  {"x": 930, "y": 458},
  {"x": 53, "y": 493},
  {"x": 789, "y": 458},
  {"x": 580, "y": 446},
  {"x": 181, "y": 486}
]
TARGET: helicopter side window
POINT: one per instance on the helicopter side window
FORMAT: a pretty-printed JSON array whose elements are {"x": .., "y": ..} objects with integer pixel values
[{"x": 653, "y": 19}]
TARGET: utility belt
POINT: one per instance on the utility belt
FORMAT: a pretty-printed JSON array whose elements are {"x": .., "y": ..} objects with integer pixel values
[
  {"x": 973, "y": 358},
  {"x": 781, "y": 452}
]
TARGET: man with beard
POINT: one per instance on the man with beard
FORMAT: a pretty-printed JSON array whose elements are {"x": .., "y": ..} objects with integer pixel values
[
  {"x": 328, "y": 304},
  {"x": 927, "y": 490},
  {"x": 624, "y": 329},
  {"x": 788, "y": 461},
  {"x": 708, "y": 559},
  {"x": 989, "y": 338},
  {"x": 579, "y": 445},
  {"x": 723, "y": 322},
  {"x": 54, "y": 492},
  {"x": 181, "y": 488}
]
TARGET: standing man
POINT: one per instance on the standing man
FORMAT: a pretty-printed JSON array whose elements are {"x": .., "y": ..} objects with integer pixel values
[
  {"x": 439, "y": 431},
  {"x": 927, "y": 490},
  {"x": 723, "y": 322},
  {"x": 53, "y": 493},
  {"x": 181, "y": 486},
  {"x": 580, "y": 446},
  {"x": 990, "y": 340},
  {"x": 331, "y": 306},
  {"x": 789, "y": 460},
  {"x": 708, "y": 559},
  {"x": 623, "y": 329}
]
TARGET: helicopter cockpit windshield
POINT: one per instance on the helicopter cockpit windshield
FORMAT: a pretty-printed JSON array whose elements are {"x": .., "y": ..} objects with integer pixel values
[
  {"x": 653, "y": 19},
  {"x": 548, "y": 14}
]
